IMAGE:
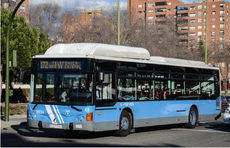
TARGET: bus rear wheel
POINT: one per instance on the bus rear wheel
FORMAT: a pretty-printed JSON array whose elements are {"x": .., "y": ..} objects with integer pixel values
[
  {"x": 192, "y": 118},
  {"x": 125, "y": 124}
]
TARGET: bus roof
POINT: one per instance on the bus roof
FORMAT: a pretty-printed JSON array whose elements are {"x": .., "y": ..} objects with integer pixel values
[
  {"x": 116, "y": 53},
  {"x": 96, "y": 49}
]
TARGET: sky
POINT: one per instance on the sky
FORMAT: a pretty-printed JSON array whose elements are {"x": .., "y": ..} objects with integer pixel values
[{"x": 70, "y": 5}]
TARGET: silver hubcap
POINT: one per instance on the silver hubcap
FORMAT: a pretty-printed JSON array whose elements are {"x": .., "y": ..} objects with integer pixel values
[
  {"x": 192, "y": 117},
  {"x": 124, "y": 123}
]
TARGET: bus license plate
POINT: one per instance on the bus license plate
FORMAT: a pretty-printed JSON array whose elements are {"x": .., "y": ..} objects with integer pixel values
[{"x": 55, "y": 126}]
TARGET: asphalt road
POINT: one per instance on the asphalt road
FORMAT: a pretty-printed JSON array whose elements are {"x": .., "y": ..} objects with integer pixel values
[{"x": 207, "y": 134}]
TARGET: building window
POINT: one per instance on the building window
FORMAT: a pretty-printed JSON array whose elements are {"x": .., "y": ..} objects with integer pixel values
[
  {"x": 150, "y": 5},
  {"x": 192, "y": 34},
  {"x": 182, "y": 14},
  {"x": 199, "y": 13},
  {"x": 182, "y": 8},
  {"x": 192, "y": 21},
  {"x": 192, "y": 28},
  {"x": 183, "y": 28},
  {"x": 221, "y": 25},
  {"x": 213, "y": 19},
  {"x": 5, "y": 5},
  {"x": 150, "y": 18},
  {"x": 22, "y": 8},
  {"x": 213, "y": 26},
  {"x": 221, "y": 46},
  {"x": 169, "y": 10},
  {"x": 199, "y": 39},
  {"x": 222, "y": 32},
  {"x": 193, "y": 8},
  {"x": 199, "y": 20},
  {"x": 213, "y": 12},
  {"x": 221, "y": 18},
  {"x": 221, "y": 39},
  {"x": 139, "y": 6},
  {"x": 222, "y": 5},
  {"x": 192, "y": 15},
  {"x": 150, "y": 11},
  {"x": 139, "y": 12},
  {"x": 199, "y": 27},
  {"x": 161, "y": 10},
  {"x": 200, "y": 7},
  {"x": 213, "y": 33},
  {"x": 160, "y": 3},
  {"x": 169, "y": 3},
  {"x": 199, "y": 33},
  {"x": 221, "y": 12},
  {"x": 213, "y": 6}
]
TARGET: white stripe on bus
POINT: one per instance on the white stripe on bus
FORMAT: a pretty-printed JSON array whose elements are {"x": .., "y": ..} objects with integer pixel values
[
  {"x": 59, "y": 114},
  {"x": 50, "y": 113},
  {"x": 56, "y": 114}
]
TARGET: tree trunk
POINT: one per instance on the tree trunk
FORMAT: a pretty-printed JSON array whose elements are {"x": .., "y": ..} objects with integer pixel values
[
  {"x": 0, "y": 81},
  {"x": 226, "y": 79}
]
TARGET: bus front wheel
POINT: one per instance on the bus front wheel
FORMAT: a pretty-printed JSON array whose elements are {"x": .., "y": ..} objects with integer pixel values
[
  {"x": 192, "y": 118},
  {"x": 125, "y": 124}
]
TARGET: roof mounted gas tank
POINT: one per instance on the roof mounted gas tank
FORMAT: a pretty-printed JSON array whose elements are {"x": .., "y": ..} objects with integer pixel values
[{"x": 96, "y": 49}]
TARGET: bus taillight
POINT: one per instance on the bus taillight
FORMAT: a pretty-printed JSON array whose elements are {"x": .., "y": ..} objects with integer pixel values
[{"x": 89, "y": 117}]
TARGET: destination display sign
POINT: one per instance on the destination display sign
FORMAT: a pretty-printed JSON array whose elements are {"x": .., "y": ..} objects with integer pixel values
[{"x": 60, "y": 65}]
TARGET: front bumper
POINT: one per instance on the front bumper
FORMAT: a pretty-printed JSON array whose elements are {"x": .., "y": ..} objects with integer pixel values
[{"x": 85, "y": 126}]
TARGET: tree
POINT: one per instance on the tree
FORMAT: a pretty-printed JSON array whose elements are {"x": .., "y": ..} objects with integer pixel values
[
  {"x": 28, "y": 42},
  {"x": 159, "y": 38},
  {"x": 221, "y": 54},
  {"x": 46, "y": 17}
]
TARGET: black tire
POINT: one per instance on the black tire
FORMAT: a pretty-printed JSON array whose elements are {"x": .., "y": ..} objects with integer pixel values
[
  {"x": 125, "y": 124},
  {"x": 192, "y": 118}
]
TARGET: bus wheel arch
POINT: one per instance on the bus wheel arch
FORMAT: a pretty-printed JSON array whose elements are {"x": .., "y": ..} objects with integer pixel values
[
  {"x": 193, "y": 117},
  {"x": 131, "y": 113},
  {"x": 125, "y": 122}
]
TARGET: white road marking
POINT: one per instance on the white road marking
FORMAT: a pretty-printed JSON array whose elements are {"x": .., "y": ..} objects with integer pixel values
[{"x": 199, "y": 130}]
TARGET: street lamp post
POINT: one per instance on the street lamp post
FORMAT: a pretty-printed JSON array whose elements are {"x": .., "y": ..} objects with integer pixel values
[
  {"x": 7, "y": 60},
  {"x": 118, "y": 22}
]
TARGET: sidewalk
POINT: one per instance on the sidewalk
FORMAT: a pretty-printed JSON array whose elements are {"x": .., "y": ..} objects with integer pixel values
[{"x": 14, "y": 120}]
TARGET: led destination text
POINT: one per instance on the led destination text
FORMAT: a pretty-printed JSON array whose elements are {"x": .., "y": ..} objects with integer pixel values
[{"x": 60, "y": 65}]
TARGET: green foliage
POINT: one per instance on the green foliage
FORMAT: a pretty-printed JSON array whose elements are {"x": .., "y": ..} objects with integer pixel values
[{"x": 28, "y": 42}]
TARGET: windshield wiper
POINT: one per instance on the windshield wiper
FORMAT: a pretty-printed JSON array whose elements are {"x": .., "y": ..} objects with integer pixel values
[{"x": 75, "y": 108}]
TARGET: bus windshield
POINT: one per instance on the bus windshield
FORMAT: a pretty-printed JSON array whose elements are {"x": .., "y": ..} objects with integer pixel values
[{"x": 63, "y": 88}]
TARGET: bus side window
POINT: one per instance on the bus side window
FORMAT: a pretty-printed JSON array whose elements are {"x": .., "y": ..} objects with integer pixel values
[
  {"x": 105, "y": 88},
  {"x": 144, "y": 89},
  {"x": 126, "y": 89}
]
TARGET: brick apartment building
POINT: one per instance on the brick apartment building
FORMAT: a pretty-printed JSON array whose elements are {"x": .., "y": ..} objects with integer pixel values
[
  {"x": 22, "y": 11},
  {"x": 71, "y": 22},
  {"x": 189, "y": 20}
]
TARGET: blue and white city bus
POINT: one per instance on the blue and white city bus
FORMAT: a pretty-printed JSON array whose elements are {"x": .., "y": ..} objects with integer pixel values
[{"x": 99, "y": 87}]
